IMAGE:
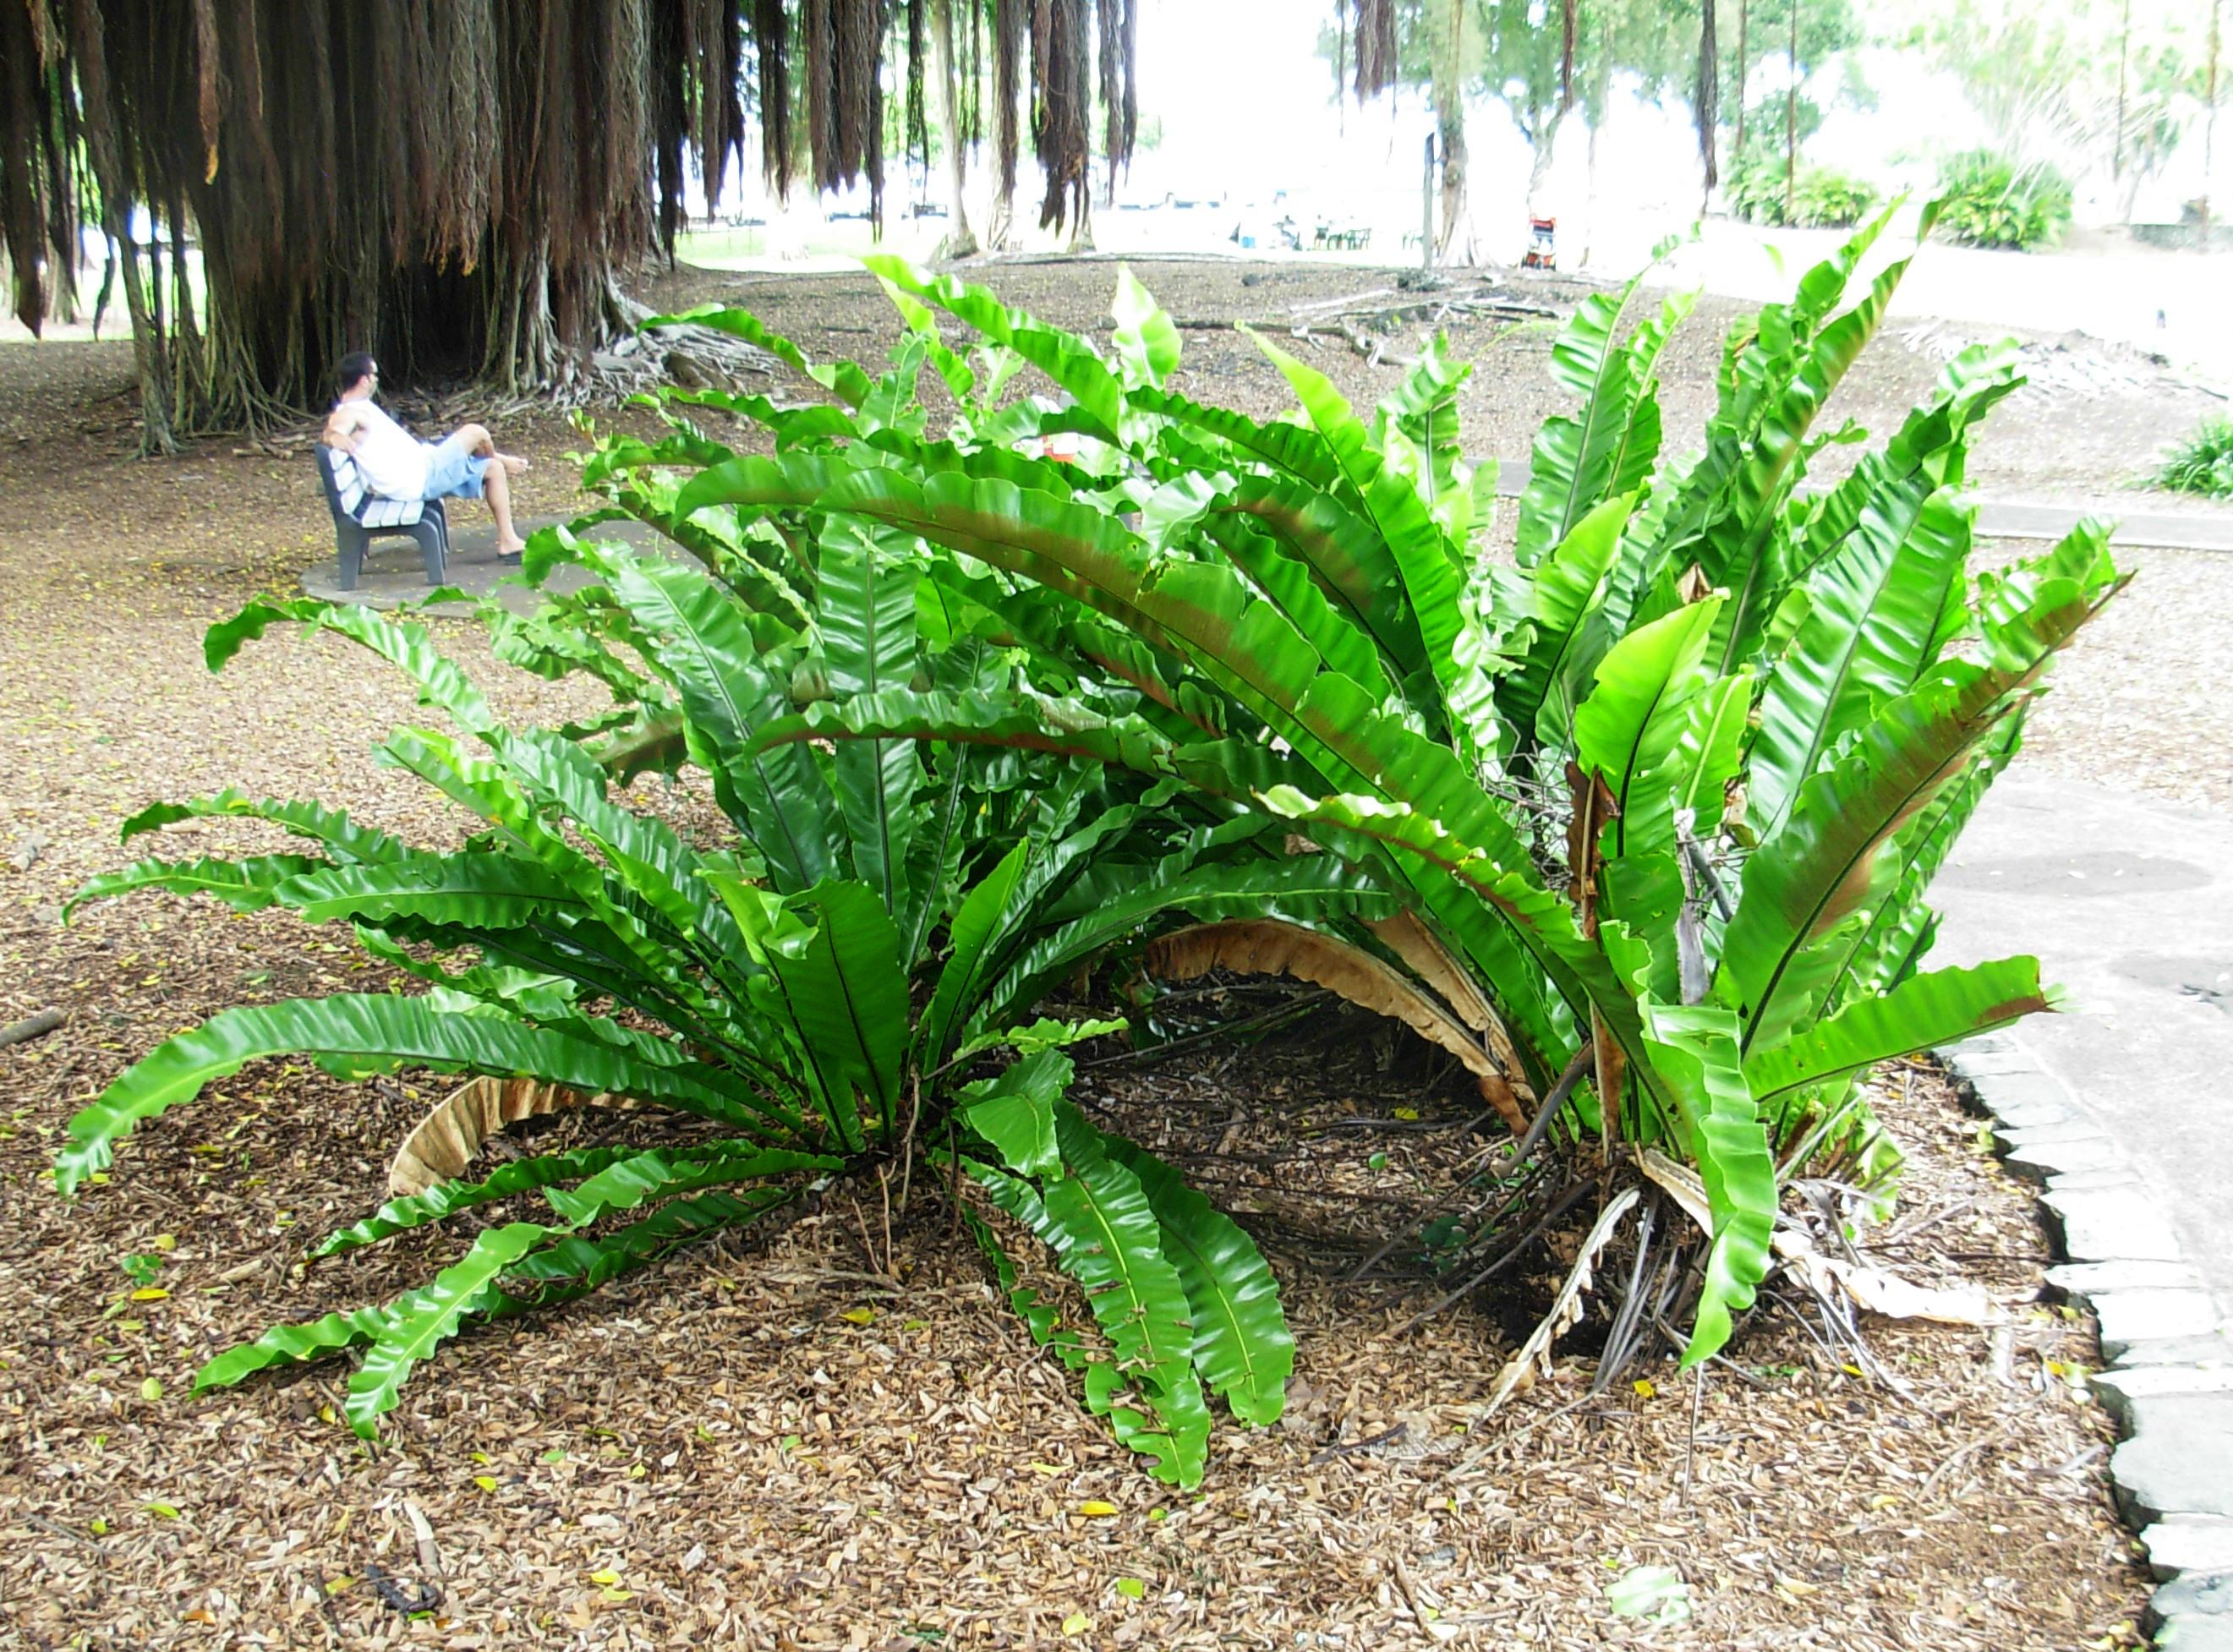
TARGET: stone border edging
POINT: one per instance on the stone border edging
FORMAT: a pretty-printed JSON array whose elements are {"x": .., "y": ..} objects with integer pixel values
[{"x": 2169, "y": 1380}]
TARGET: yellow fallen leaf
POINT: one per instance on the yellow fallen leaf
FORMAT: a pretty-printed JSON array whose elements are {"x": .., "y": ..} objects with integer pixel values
[
  {"x": 608, "y": 1578},
  {"x": 162, "y": 1511},
  {"x": 1796, "y": 1587},
  {"x": 165, "y": 1241},
  {"x": 1406, "y": 1114},
  {"x": 859, "y": 1316},
  {"x": 149, "y": 1293},
  {"x": 1097, "y": 1509},
  {"x": 486, "y": 1482},
  {"x": 1042, "y": 1469},
  {"x": 1076, "y": 1624},
  {"x": 615, "y": 1597},
  {"x": 335, "y": 1585},
  {"x": 1644, "y": 1388}
]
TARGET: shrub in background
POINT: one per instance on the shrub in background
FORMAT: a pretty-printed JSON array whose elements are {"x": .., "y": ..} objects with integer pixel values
[
  {"x": 2201, "y": 462},
  {"x": 1820, "y": 197},
  {"x": 1988, "y": 199}
]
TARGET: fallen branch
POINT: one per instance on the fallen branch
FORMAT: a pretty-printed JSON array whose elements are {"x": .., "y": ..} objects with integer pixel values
[{"x": 31, "y": 1026}]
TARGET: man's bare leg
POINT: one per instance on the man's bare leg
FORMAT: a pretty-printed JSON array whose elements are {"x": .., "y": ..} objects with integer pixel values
[
  {"x": 496, "y": 488},
  {"x": 496, "y": 484},
  {"x": 481, "y": 445}
]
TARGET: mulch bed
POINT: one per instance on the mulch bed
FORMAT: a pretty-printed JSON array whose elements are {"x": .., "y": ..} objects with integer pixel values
[
  {"x": 777, "y": 1444},
  {"x": 715, "y": 1452}
]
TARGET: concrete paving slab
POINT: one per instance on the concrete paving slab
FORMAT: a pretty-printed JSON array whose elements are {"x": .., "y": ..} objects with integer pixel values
[
  {"x": 2083, "y": 1133},
  {"x": 2092, "y": 1279},
  {"x": 2119, "y": 1175},
  {"x": 2179, "y": 1459},
  {"x": 2189, "y": 1543},
  {"x": 2029, "y": 1100},
  {"x": 2117, "y": 1388},
  {"x": 2207, "y": 1352},
  {"x": 2130, "y": 1318},
  {"x": 2199, "y": 1593},
  {"x": 2064, "y": 1164},
  {"x": 2112, "y": 1224},
  {"x": 2191, "y": 1632}
]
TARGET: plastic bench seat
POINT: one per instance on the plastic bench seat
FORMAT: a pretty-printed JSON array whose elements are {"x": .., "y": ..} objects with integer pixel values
[{"x": 361, "y": 516}]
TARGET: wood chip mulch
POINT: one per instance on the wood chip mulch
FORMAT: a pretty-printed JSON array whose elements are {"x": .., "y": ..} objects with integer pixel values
[
  {"x": 768, "y": 1446},
  {"x": 715, "y": 1454}
]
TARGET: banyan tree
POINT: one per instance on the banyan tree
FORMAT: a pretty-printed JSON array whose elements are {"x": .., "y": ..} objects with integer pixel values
[{"x": 461, "y": 185}]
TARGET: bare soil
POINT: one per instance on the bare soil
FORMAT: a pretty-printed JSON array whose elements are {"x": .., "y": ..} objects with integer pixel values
[
  {"x": 2095, "y": 414},
  {"x": 712, "y": 1453}
]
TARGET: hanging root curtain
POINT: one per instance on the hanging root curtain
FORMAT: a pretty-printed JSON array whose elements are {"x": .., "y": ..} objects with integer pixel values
[
  {"x": 452, "y": 184},
  {"x": 456, "y": 186}
]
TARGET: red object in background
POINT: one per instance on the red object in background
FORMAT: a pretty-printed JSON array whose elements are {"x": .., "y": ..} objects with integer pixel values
[{"x": 1542, "y": 244}]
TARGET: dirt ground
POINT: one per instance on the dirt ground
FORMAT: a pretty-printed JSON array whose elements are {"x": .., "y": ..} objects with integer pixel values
[
  {"x": 2095, "y": 415},
  {"x": 712, "y": 1453}
]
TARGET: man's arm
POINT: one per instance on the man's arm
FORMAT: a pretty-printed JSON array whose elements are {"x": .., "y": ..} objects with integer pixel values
[{"x": 341, "y": 426}]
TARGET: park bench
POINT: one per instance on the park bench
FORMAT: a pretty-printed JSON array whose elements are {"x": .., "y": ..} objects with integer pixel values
[{"x": 361, "y": 516}]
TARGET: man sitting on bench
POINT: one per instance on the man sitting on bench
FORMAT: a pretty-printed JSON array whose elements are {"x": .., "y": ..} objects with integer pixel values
[{"x": 464, "y": 464}]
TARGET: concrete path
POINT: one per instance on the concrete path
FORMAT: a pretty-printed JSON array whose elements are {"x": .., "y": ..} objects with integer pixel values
[
  {"x": 392, "y": 576},
  {"x": 2122, "y": 1106},
  {"x": 2129, "y": 905}
]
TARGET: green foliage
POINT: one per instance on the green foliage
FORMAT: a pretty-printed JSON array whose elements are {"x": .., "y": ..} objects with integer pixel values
[
  {"x": 851, "y": 965},
  {"x": 1668, "y": 791},
  {"x": 1989, "y": 199},
  {"x": 1326, "y": 643},
  {"x": 1819, "y": 196},
  {"x": 2201, "y": 463}
]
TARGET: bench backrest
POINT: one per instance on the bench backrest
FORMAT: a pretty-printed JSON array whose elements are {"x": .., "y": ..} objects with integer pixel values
[{"x": 348, "y": 497}]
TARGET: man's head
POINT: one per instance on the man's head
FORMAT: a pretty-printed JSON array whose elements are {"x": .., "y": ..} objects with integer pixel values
[{"x": 359, "y": 373}]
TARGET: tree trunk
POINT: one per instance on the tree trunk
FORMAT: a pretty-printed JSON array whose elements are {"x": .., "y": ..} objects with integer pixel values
[
  {"x": 960, "y": 242},
  {"x": 2124, "y": 55},
  {"x": 1455, "y": 243},
  {"x": 1081, "y": 223},
  {"x": 1705, "y": 103},
  {"x": 1604, "y": 107},
  {"x": 1744, "y": 45},
  {"x": 1791, "y": 120},
  {"x": 1543, "y": 145},
  {"x": 2210, "y": 123},
  {"x": 149, "y": 356}
]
